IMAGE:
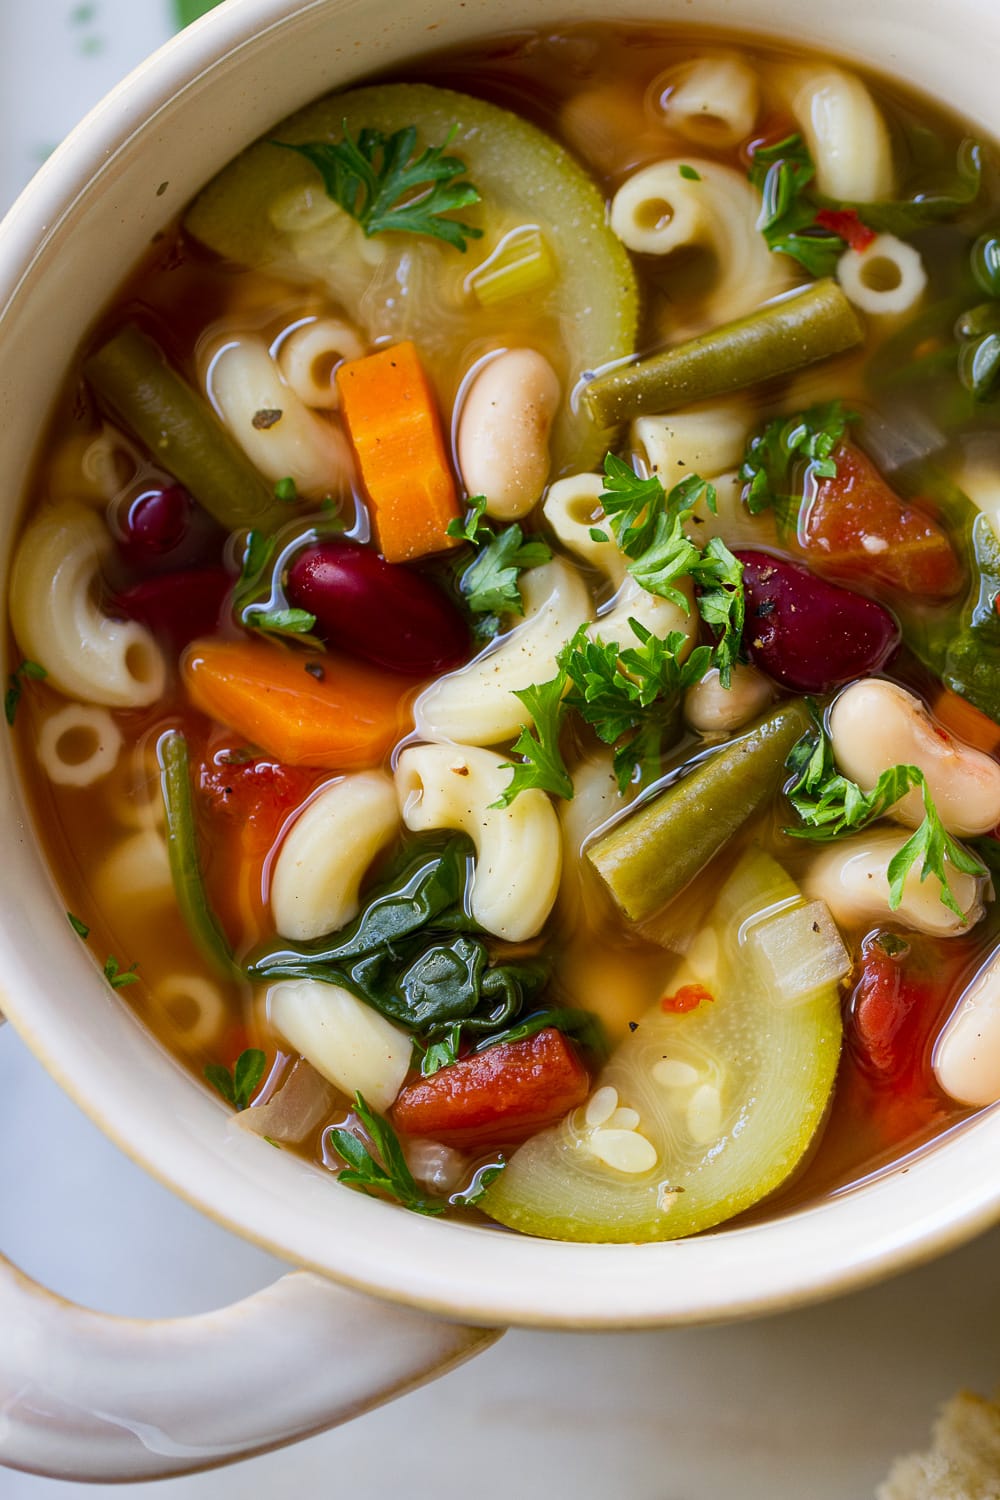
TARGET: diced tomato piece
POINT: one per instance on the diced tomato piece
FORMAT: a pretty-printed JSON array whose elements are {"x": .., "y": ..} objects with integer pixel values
[
  {"x": 856, "y": 527},
  {"x": 242, "y": 805},
  {"x": 900, "y": 994},
  {"x": 688, "y": 997},
  {"x": 255, "y": 795},
  {"x": 845, "y": 223},
  {"x": 498, "y": 1096}
]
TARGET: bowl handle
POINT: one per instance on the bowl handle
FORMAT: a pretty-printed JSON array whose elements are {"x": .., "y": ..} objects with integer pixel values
[{"x": 88, "y": 1396}]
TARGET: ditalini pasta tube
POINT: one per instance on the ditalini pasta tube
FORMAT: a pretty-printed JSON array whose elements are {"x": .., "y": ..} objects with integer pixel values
[
  {"x": 518, "y": 848},
  {"x": 58, "y": 623},
  {"x": 476, "y": 705}
]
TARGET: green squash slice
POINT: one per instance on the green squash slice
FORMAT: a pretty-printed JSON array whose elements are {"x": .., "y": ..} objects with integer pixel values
[
  {"x": 729, "y": 1094},
  {"x": 267, "y": 209}
]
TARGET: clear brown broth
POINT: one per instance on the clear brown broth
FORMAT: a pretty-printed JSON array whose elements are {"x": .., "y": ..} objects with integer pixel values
[{"x": 179, "y": 290}]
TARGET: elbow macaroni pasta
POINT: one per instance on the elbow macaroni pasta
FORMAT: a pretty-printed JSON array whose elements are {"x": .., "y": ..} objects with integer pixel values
[
  {"x": 317, "y": 875},
  {"x": 278, "y": 433},
  {"x": 657, "y": 211},
  {"x": 349, "y": 1043},
  {"x": 518, "y": 848},
  {"x": 58, "y": 623},
  {"x": 706, "y": 442},
  {"x": 713, "y": 102},
  {"x": 136, "y": 871},
  {"x": 572, "y": 506},
  {"x": 845, "y": 133},
  {"x": 661, "y": 616},
  {"x": 310, "y": 353},
  {"x": 476, "y": 704}
]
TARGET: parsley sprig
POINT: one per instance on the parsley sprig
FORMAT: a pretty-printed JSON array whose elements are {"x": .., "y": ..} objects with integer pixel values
[
  {"x": 631, "y": 697},
  {"x": 27, "y": 671},
  {"x": 783, "y": 172},
  {"x": 774, "y": 458},
  {"x": 238, "y": 1087},
  {"x": 383, "y": 183},
  {"x": 543, "y": 765},
  {"x": 830, "y": 805},
  {"x": 648, "y": 525},
  {"x": 255, "y": 598},
  {"x": 382, "y": 1169},
  {"x": 118, "y": 977},
  {"x": 489, "y": 583}
]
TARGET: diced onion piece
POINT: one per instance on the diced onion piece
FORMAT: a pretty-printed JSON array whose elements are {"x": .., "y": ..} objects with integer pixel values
[
  {"x": 349, "y": 1043},
  {"x": 301, "y": 1104},
  {"x": 797, "y": 952},
  {"x": 521, "y": 263}
]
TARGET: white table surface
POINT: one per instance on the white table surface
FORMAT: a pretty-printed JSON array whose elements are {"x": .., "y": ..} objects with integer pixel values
[{"x": 809, "y": 1405}]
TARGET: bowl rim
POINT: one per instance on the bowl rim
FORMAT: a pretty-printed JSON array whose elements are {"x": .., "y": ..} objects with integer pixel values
[{"x": 164, "y": 1119}]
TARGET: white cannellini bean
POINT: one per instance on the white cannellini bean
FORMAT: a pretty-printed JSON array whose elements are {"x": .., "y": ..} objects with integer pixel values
[
  {"x": 503, "y": 431},
  {"x": 967, "y": 1056},
  {"x": 709, "y": 708},
  {"x": 875, "y": 725},
  {"x": 851, "y": 877}
]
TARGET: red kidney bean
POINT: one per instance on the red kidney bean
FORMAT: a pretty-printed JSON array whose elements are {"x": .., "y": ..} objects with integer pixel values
[
  {"x": 178, "y": 607},
  {"x": 808, "y": 634},
  {"x": 377, "y": 610},
  {"x": 157, "y": 520},
  {"x": 161, "y": 529}
]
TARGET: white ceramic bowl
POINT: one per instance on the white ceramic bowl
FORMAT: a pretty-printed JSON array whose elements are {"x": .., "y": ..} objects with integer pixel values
[{"x": 64, "y": 248}]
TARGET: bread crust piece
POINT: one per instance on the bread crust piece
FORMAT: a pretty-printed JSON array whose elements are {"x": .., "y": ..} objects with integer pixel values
[{"x": 963, "y": 1462}]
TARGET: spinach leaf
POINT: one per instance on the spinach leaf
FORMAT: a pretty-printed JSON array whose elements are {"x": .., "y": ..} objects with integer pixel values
[{"x": 414, "y": 956}]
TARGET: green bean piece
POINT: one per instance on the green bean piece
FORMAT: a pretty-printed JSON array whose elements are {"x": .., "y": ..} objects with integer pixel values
[
  {"x": 185, "y": 867},
  {"x": 807, "y": 325},
  {"x": 651, "y": 855},
  {"x": 180, "y": 430}
]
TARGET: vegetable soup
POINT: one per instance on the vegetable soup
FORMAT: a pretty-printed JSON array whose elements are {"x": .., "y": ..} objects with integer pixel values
[{"x": 507, "y": 657}]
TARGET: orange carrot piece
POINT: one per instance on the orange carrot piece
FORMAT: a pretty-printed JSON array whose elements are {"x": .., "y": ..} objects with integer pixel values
[
  {"x": 392, "y": 420},
  {"x": 496, "y": 1097},
  {"x": 346, "y": 719},
  {"x": 966, "y": 722}
]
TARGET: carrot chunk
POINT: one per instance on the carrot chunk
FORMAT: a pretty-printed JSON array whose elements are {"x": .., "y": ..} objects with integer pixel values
[
  {"x": 498, "y": 1096},
  {"x": 966, "y": 722},
  {"x": 344, "y": 718},
  {"x": 392, "y": 420}
]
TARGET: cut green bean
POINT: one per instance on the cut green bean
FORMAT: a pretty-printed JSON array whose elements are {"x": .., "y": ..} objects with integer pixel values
[
  {"x": 185, "y": 867},
  {"x": 651, "y": 855},
  {"x": 180, "y": 430},
  {"x": 807, "y": 325}
]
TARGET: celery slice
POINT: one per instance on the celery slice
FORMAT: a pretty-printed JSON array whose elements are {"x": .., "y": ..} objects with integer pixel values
[
  {"x": 521, "y": 263},
  {"x": 268, "y": 209},
  {"x": 729, "y": 1095}
]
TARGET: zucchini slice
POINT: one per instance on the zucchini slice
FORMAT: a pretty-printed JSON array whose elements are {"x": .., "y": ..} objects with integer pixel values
[
  {"x": 267, "y": 209},
  {"x": 728, "y": 1094}
]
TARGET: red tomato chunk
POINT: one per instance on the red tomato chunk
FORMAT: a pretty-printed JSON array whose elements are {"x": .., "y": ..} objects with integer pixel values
[
  {"x": 856, "y": 527},
  {"x": 501, "y": 1095}
]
